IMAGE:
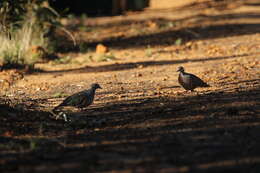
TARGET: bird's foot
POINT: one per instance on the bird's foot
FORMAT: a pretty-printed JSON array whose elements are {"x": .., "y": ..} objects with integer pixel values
[
  {"x": 197, "y": 93},
  {"x": 56, "y": 116},
  {"x": 65, "y": 117},
  {"x": 188, "y": 91},
  {"x": 60, "y": 115}
]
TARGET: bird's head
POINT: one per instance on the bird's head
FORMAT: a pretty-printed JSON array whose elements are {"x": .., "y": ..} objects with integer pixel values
[
  {"x": 180, "y": 69},
  {"x": 95, "y": 86}
]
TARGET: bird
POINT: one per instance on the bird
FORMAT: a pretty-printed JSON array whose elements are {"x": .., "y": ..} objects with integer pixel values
[
  {"x": 81, "y": 99},
  {"x": 189, "y": 81}
]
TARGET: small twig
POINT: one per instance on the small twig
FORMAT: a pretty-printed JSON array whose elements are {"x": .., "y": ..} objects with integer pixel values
[{"x": 71, "y": 36}]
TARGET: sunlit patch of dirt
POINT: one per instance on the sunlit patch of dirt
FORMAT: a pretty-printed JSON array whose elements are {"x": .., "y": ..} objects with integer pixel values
[{"x": 9, "y": 77}]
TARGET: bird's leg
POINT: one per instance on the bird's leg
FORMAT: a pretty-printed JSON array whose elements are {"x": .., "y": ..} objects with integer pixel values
[
  {"x": 186, "y": 91},
  {"x": 64, "y": 117},
  {"x": 56, "y": 116},
  {"x": 194, "y": 91},
  {"x": 197, "y": 93},
  {"x": 59, "y": 115}
]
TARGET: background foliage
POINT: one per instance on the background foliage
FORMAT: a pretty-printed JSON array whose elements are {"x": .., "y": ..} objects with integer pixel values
[{"x": 25, "y": 28}]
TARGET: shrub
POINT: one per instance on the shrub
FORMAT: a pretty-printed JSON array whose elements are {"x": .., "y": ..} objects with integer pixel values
[{"x": 24, "y": 25}]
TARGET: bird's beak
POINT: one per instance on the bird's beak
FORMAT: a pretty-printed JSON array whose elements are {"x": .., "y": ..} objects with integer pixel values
[
  {"x": 178, "y": 70},
  {"x": 100, "y": 87}
]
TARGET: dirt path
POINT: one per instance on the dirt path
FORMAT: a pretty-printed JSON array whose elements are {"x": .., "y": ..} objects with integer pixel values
[{"x": 142, "y": 121}]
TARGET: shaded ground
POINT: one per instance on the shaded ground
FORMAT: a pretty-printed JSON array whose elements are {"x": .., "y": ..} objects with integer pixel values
[{"x": 142, "y": 121}]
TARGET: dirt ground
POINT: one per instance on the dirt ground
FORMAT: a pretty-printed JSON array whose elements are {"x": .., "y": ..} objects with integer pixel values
[{"x": 142, "y": 120}]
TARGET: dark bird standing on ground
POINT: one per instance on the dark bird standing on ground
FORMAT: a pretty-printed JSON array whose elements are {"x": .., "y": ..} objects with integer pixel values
[
  {"x": 189, "y": 81},
  {"x": 81, "y": 99}
]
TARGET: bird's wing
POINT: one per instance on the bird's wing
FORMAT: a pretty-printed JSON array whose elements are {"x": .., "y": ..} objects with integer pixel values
[
  {"x": 185, "y": 81},
  {"x": 197, "y": 81},
  {"x": 74, "y": 99},
  {"x": 186, "y": 78}
]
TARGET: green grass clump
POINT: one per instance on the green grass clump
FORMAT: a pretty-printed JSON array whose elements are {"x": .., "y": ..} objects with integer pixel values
[
  {"x": 149, "y": 51},
  {"x": 106, "y": 57},
  {"x": 178, "y": 42}
]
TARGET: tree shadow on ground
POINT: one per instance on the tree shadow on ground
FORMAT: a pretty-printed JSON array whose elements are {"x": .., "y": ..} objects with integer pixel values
[
  {"x": 186, "y": 34},
  {"x": 22, "y": 119},
  {"x": 162, "y": 21},
  {"x": 202, "y": 27},
  {"x": 130, "y": 65},
  {"x": 210, "y": 132}
]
